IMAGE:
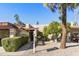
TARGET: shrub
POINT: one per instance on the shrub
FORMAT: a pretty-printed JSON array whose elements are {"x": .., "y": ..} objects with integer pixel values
[
  {"x": 12, "y": 44},
  {"x": 46, "y": 38}
]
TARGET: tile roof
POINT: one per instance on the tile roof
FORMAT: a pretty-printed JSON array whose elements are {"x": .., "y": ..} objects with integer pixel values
[{"x": 6, "y": 25}]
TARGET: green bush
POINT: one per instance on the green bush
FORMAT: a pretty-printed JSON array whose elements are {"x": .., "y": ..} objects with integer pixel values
[{"x": 12, "y": 44}]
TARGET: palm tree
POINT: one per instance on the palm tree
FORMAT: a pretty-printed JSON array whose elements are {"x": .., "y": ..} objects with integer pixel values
[
  {"x": 16, "y": 16},
  {"x": 20, "y": 23},
  {"x": 63, "y": 9}
]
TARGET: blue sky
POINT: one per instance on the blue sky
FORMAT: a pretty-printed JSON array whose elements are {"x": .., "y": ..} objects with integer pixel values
[{"x": 31, "y": 13}]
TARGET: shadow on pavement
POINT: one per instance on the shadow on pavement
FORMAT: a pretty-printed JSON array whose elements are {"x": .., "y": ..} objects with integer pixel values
[
  {"x": 72, "y": 46},
  {"x": 26, "y": 47},
  {"x": 49, "y": 49}
]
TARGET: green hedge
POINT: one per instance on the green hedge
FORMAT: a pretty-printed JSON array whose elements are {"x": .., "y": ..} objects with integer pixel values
[{"x": 12, "y": 44}]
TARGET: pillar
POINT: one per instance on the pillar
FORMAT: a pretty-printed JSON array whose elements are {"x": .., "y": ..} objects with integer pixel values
[{"x": 34, "y": 40}]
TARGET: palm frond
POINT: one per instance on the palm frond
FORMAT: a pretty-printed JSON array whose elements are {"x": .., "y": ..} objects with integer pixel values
[{"x": 72, "y": 6}]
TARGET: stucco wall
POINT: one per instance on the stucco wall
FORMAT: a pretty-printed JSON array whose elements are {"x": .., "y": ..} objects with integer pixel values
[{"x": 4, "y": 33}]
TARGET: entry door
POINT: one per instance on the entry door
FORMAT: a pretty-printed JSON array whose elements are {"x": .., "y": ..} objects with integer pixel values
[{"x": 31, "y": 35}]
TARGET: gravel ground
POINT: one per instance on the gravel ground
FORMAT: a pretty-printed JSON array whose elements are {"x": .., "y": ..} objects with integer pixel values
[{"x": 50, "y": 49}]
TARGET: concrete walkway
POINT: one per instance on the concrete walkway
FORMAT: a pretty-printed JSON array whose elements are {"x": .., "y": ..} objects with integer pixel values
[{"x": 50, "y": 49}]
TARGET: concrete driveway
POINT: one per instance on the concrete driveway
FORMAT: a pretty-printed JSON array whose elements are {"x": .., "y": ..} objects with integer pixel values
[{"x": 49, "y": 49}]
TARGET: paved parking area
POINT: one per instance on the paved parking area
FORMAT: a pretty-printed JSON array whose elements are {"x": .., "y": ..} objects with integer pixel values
[{"x": 50, "y": 49}]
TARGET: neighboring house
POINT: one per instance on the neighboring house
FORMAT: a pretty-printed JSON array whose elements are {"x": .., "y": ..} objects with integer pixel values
[
  {"x": 75, "y": 33},
  {"x": 75, "y": 29},
  {"x": 10, "y": 30},
  {"x": 7, "y": 30},
  {"x": 40, "y": 26}
]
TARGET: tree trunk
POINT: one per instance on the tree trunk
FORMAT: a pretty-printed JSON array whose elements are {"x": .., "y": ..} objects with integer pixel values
[{"x": 64, "y": 28}]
